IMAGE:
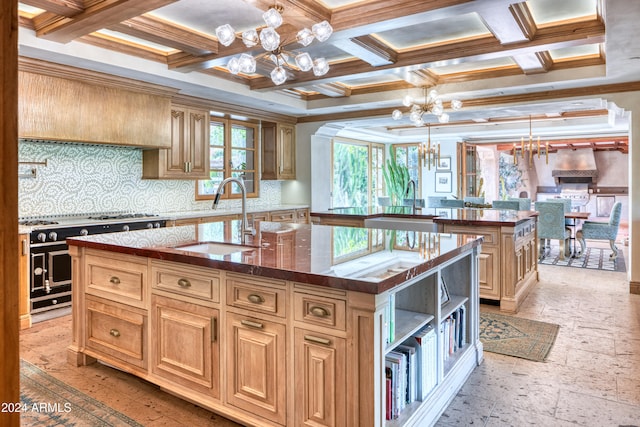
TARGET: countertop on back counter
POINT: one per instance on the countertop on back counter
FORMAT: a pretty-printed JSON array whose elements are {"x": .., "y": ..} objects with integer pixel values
[
  {"x": 296, "y": 252},
  {"x": 227, "y": 211},
  {"x": 466, "y": 216}
]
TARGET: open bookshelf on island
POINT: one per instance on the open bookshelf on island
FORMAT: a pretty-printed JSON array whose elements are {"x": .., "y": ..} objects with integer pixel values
[{"x": 430, "y": 341}]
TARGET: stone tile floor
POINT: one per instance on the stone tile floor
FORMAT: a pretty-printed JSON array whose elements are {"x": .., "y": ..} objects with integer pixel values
[{"x": 591, "y": 378}]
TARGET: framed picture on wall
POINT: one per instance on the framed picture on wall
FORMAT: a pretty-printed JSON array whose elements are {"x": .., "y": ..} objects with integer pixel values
[
  {"x": 443, "y": 182},
  {"x": 444, "y": 164}
]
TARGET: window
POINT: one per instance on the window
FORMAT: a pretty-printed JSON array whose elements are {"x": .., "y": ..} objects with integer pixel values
[
  {"x": 407, "y": 154},
  {"x": 233, "y": 152},
  {"x": 356, "y": 173}
]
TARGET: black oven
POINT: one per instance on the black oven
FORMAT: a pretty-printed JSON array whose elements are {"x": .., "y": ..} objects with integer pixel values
[{"x": 50, "y": 263}]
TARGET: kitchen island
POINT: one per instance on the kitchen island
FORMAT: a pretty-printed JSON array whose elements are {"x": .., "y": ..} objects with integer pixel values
[
  {"x": 287, "y": 329},
  {"x": 508, "y": 262}
]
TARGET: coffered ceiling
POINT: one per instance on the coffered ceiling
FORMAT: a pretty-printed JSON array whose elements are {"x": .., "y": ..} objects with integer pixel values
[{"x": 505, "y": 60}]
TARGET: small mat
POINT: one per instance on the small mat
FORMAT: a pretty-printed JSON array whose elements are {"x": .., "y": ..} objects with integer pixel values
[
  {"x": 518, "y": 337},
  {"x": 47, "y": 401},
  {"x": 594, "y": 258}
]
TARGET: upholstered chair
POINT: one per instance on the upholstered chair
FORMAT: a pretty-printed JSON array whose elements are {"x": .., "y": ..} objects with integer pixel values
[
  {"x": 452, "y": 203},
  {"x": 506, "y": 204},
  {"x": 602, "y": 230},
  {"x": 525, "y": 203},
  {"x": 474, "y": 200},
  {"x": 551, "y": 226},
  {"x": 435, "y": 201}
]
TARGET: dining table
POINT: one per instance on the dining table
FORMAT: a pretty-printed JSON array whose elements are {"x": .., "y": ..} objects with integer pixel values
[{"x": 575, "y": 218}]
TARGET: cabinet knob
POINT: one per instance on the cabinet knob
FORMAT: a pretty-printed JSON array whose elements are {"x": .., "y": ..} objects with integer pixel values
[
  {"x": 255, "y": 298},
  {"x": 184, "y": 283},
  {"x": 114, "y": 333},
  {"x": 115, "y": 280},
  {"x": 319, "y": 311}
]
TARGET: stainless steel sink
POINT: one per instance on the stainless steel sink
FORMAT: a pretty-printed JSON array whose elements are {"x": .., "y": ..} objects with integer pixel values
[{"x": 215, "y": 248}]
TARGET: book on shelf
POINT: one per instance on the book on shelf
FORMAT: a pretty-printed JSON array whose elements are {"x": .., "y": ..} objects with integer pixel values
[
  {"x": 427, "y": 350},
  {"x": 412, "y": 371},
  {"x": 453, "y": 330},
  {"x": 396, "y": 362}
]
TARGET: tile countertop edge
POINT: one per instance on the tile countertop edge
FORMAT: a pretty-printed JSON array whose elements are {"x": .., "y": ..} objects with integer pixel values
[{"x": 317, "y": 279}]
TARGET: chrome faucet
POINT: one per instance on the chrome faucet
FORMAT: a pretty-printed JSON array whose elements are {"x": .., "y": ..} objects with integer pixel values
[
  {"x": 244, "y": 226},
  {"x": 412, "y": 183}
]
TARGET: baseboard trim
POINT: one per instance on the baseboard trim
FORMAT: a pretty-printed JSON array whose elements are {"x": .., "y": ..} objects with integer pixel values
[{"x": 634, "y": 288}]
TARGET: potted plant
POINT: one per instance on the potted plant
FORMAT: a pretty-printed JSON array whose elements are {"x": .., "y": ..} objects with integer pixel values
[{"x": 396, "y": 179}]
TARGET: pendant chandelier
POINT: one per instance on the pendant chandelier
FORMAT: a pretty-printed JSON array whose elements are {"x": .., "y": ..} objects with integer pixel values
[
  {"x": 430, "y": 104},
  {"x": 530, "y": 148},
  {"x": 269, "y": 39}
]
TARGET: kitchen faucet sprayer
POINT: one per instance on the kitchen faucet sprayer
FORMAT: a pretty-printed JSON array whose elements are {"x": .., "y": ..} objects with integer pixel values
[{"x": 244, "y": 226}]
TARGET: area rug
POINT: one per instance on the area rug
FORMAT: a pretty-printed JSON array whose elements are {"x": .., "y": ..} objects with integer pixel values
[
  {"x": 514, "y": 336},
  {"x": 594, "y": 258},
  {"x": 47, "y": 401}
]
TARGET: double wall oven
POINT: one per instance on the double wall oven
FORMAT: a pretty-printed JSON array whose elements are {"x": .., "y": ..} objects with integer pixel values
[{"x": 50, "y": 263}]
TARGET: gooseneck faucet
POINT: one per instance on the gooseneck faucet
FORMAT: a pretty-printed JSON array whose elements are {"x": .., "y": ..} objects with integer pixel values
[
  {"x": 412, "y": 183},
  {"x": 244, "y": 226}
]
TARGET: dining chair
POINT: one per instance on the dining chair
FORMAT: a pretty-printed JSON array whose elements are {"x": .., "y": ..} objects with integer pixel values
[
  {"x": 594, "y": 230},
  {"x": 551, "y": 225},
  {"x": 474, "y": 200},
  {"x": 452, "y": 203},
  {"x": 525, "y": 203},
  {"x": 506, "y": 204}
]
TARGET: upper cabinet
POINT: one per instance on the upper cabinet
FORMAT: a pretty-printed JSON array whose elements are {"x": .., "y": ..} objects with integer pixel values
[
  {"x": 278, "y": 151},
  {"x": 80, "y": 110},
  {"x": 188, "y": 156}
]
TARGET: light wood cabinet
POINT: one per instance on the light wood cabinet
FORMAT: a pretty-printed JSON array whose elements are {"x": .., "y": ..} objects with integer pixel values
[
  {"x": 278, "y": 151},
  {"x": 188, "y": 156},
  {"x": 186, "y": 344},
  {"x": 256, "y": 366},
  {"x": 24, "y": 310}
]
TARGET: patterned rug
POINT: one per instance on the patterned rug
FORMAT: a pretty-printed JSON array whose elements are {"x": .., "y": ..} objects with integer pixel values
[
  {"x": 594, "y": 258},
  {"x": 47, "y": 402},
  {"x": 514, "y": 336}
]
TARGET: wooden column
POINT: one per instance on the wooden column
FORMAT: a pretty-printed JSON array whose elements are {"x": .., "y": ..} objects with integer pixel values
[{"x": 9, "y": 324}]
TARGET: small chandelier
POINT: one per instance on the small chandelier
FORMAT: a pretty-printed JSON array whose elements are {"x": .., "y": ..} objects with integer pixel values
[
  {"x": 530, "y": 147},
  {"x": 431, "y": 104},
  {"x": 430, "y": 154},
  {"x": 269, "y": 40}
]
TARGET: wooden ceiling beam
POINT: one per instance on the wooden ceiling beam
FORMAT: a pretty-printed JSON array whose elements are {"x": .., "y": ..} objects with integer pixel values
[
  {"x": 368, "y": 49},
  {"x": 66, "y": 8},
  {"x": 524, "y": 19},
  {"x": 104, "y": 14},
  {"x": 334, "y": 90},
  {"x": 165, "y": 33},
  {"x": 421, "y": 78}
]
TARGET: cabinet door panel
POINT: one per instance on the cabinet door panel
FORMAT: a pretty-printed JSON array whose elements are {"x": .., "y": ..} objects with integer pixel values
[
  {"x": 199, "y": 142},
  {"x": 256, "y": 366},
  {"x": 489, "y": 273},
  {"x": 176, "y": 159},
  {"x": 320, "y": 371},
  {"x": 186, "y": 346}
]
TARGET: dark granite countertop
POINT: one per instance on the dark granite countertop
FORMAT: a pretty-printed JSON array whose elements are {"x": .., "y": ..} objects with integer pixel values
[
  {"x": 466, "y": 216},
  {"x": 296, "y": 252}
]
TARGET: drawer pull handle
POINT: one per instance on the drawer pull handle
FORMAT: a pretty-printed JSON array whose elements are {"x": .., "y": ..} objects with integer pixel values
[
  {"x": 317, "y": 340},
  {"x": 184, "y": 283},
  {"x": 114, "y": 333},
  {"x": 255, "y": 298},
  {"x": 252, "y": 324},
  {"x": 115, "y": 280},
  {"x": 319, "y": 311}
]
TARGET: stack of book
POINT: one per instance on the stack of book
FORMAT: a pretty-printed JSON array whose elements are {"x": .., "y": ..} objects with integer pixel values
[
  {"x": 453, "y": 330},
  {"x": 411, "y": 371}
]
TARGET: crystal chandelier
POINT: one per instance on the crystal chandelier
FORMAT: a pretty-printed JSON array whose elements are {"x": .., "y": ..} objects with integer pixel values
[
  {"x": 430, "y": 104},
  {"x": 269, "y": 39}
]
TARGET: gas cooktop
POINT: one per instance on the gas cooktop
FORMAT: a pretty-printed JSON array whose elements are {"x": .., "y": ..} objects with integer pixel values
[{"x": 47, "y": 221}]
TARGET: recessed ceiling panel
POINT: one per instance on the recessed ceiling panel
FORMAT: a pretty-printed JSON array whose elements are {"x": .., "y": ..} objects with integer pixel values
[
  {"x": 206, "y": 15},
  {"x": 573, "y": 52},
  {"x": 135, "y": 40},
  {"x": 465, "y": 67},
  {"x": 460, "y": 27},
  {"x": 371, "y": 81},
  {"x": 548, "y": 11},
  {"x": 29, "y": 10}
]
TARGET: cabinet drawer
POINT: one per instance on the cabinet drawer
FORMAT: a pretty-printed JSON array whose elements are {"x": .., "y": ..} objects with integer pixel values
[
  {"x": 184, "y": 280},
  {"x": 283, "y": 216},
  {"x": 257, "y": 295},
  {"x": 490, "y": 234},
  {"x": 303, "y": 216},
  {"x": 116, "y": 331},
  {"x": 321, "y": 311},
  {"x": 118, "y": 278}
]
